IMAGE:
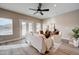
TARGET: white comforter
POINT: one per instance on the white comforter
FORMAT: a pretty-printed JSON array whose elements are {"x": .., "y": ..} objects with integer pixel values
[{"x": 42, "y": 45}]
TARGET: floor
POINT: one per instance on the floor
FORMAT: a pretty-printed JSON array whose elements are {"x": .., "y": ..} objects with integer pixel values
[
  {"x": 22, "y": 48},
  {"x": 19, "y": 47},
  {"x": 65, "y": 49}
]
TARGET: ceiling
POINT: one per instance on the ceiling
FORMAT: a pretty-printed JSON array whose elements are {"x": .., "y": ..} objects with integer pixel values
[{"x": 55, "y": 8}]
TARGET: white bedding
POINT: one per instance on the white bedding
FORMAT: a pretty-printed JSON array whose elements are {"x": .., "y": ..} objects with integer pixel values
[{"x": 39, "y": 43}]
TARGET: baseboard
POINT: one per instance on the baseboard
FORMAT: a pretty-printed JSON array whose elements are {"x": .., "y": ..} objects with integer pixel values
[{"x": 9, "y": 40}]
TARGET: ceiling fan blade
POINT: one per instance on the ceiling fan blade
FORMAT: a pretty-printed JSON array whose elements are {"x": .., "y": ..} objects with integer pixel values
[
  {"x": 45, "y": 10},
  {"x": 41, "y": 13},
  {"x": 35, "y": 12},
  {"x": 33, "y": 9},
  {"x": 39, "y": 6}
]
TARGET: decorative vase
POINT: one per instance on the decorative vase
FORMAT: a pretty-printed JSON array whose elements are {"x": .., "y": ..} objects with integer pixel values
[{"x": 76, "y": 42}]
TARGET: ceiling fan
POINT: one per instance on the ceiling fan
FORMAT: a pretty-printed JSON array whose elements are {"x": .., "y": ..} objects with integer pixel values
[{"x": 39, "y": 10}]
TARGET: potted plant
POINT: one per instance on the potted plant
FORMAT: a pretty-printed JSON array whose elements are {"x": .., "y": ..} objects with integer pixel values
[{"x": 76, "y": 36}]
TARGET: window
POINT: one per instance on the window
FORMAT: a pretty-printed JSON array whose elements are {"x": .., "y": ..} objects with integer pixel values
[
  {"x": 44, "y": 27},
  {"x": 6, "y": 26},
  {"x": 38, "y": 27},
  {"x": 23, "y": 28},
  {"x": 30, "y": 27}
]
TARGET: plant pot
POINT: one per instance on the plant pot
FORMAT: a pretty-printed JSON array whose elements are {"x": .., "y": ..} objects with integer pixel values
[{"x": 76, "y": 42}]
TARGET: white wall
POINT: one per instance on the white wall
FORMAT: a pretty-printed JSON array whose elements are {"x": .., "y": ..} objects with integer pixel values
[{"x": 65, "y": 22}]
